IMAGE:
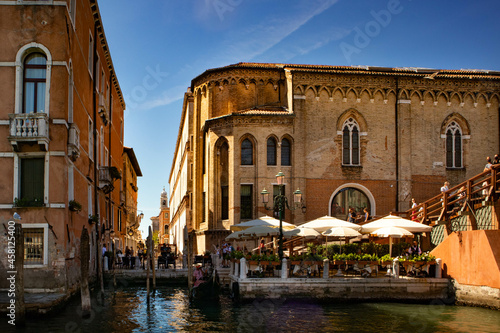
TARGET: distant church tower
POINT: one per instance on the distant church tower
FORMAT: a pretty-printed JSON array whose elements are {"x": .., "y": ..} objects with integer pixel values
[{"x": 164, "y": 218}]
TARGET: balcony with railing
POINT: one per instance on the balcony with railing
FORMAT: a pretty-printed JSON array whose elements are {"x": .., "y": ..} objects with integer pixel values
[{"x": 29, "y": 128}]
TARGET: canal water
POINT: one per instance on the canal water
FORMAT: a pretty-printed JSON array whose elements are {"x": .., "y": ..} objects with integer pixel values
[{"x": 169, "y": 310}]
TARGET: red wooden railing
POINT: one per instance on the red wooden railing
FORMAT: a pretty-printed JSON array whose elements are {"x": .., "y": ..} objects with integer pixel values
[{"x": 467, "y": 196}]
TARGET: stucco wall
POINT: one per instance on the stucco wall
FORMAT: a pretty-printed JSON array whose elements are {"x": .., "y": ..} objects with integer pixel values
[{"x": 471, "y": 257}]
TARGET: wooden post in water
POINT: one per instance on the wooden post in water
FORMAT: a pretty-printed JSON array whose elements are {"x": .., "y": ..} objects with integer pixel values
[
  {"x": 20, "y": 314},
  {"x": 152, "y": 261},
  {"x": 148, "y": 242},
  {"x": 84, "y": 263},
  {"x": 190, "y": 259}
]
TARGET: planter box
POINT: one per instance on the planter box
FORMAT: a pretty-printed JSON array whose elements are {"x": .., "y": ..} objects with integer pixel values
[
  {"x": 264, "y": 262},
  {"x": 253, "y": 262},
  {"x": 295, "y": 262},
  {"x": 275, "y": 263}
]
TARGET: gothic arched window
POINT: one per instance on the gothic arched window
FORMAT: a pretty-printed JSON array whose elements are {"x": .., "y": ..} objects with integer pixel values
[
  {"x": 286, "y": 156},
  {"x": 271, "y": 151},
  {"x": 246, "y": 152},
  {"x": 453, "y": 145},
  {"x": 350, "y": 142}
]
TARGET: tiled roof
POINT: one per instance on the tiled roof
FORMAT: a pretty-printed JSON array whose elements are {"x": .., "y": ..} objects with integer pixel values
[
  {"x": 267, "y": 110},
  {"x": 429, "y": 73}
]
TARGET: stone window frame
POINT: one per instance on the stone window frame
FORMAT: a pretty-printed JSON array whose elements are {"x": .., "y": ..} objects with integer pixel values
[
  {"x": 21, "y": 56},
  {"x": 45, "y": 228},
  {"x": 455, "y": 121},
  {"x": 361, "y": 126}
]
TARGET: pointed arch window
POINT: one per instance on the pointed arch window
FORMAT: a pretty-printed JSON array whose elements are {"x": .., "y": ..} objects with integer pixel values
[
  {"x": 453, "y": 146},
  {"x": 271, "y": 151},
  {"x": 350, "y": 142},
  {"x": 246, "y": 152},
  {"x": 34, "y": 81},
  {"x": 286, "y": 156}
]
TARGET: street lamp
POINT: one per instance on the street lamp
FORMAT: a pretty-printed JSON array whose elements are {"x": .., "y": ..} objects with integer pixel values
[{"x": 280, "y": 203}]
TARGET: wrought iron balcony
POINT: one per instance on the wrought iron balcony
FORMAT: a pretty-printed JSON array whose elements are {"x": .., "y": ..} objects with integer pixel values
[{"x": 29, "y": 128}]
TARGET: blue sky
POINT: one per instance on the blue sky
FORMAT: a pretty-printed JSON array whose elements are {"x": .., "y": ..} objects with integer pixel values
[{"x": 159, "y": 46}]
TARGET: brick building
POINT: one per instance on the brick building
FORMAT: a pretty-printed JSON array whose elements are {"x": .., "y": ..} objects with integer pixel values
[
  {"x": 61, "y": 138},
  {"x": 360, "y": 137}
]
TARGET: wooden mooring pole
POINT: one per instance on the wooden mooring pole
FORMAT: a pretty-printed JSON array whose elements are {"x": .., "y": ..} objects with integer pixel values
[
  {"x": 84, "y": 263},
  {"x": 20, "y": 314}
]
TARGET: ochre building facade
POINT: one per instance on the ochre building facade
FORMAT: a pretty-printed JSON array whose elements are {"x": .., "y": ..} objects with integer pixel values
[
  {"x": 61, "y": 140},
  {"x": 347, "y": 137}
]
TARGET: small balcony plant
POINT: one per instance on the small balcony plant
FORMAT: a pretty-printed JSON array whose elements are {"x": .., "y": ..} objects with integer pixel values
[{"x": 74, "y": 206}]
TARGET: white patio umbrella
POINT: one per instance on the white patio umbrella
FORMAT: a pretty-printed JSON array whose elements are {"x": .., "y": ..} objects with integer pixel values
[
  {"x": 342, "y": 233},
  {"x": 260, "y": 231},
  {"x": 326, "y": 222},
  {"x": 301, "y": 232},
  {"x": 395, "y": 221},
  {"x": 264, "y": 220},
  {"x": 235, "y": 235},
  {"x": 391, "y": 232}
]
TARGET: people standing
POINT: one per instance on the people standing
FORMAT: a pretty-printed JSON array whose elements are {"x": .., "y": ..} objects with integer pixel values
[
  {"x": 413, "y": 205},
  {"x": 445, "y": 187},
  {"x": 367, "y": 215},
  {"x": 351, "y": 215}
]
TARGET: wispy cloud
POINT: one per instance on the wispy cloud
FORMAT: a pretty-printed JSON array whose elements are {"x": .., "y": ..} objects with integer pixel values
[{"x": 250, "y": 42}]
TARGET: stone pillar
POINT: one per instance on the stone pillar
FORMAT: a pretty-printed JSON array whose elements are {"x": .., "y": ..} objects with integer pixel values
[
  {"x": 439, "y": 267},
  {"x": 243, "y": 266},
  {"x": 284, "y": 268},
  {"x": 326, "y": 269},
  {"x": 236, "y": 268},
  {"x": 404, "y": 153},
  {"x": 395, "y": 268},
  {"x": 105, "y": 263}
]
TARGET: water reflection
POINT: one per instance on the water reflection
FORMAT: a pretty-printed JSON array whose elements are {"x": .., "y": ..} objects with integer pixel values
[{"x": 169, "y": 310}]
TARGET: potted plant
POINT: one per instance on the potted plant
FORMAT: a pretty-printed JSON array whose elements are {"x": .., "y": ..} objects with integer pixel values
[
  {"x": 93, "y": 219},
  {"x": 296, "y": 259},
  {"x": 274, "y": 260},
  {"x": 114, "y": 173},
  {"x": 74, "y": 206}
]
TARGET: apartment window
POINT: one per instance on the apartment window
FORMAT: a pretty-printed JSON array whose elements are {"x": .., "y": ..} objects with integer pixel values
[
  {"x": 350, "y": 143},
  {"x": 34, "y": 246},
  {"x": 119, "y": 220},
  {"x": 224, "y": 202},
  {"x": 246, "y": 202},
  {"x": 91, "y": 53},
  {"x": 72, "y": 10},
  {"x": 286, "y": 158},
  {"x": 91, "y": 139},
  {"x": 97, "y": 69},
  {"x": 32, "y": 176},
  {"x": 453, "y": 146},
  {"x": 35, "y": 73},
  {"x": 246, "y": 152},
  {"x": 203, "y": 207},
  {"x": 271, "y": 151}
]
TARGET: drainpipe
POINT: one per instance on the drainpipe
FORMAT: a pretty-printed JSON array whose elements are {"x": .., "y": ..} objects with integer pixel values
[{"x": 396, "y": 126}]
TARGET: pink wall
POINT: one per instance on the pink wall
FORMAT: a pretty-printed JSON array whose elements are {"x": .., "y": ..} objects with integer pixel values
[{"x": 471, "y": 257}]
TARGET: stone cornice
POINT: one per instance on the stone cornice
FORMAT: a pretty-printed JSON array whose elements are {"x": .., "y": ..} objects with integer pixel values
[{"x": 253, "y": 120}]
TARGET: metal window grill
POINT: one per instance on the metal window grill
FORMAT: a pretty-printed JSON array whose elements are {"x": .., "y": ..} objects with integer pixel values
[{"x": 33, "y": 246}]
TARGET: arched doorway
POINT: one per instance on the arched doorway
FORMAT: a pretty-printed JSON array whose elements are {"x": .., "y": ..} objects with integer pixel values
[{"x": 351, "y": 195}]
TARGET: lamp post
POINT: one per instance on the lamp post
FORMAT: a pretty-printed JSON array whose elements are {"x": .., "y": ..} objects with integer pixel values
[{"x": 280, "y": 202}]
